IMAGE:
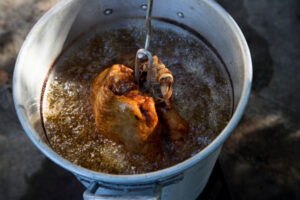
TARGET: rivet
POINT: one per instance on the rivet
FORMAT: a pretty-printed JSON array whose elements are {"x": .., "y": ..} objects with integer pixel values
[
  {"x": 108, "y": 11},
  {"x": 144, "y": 6},
  {"x": 180, "y": 14}
]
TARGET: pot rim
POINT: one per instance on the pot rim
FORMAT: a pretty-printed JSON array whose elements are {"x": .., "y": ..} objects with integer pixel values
[{"x": 150, "y": 176}]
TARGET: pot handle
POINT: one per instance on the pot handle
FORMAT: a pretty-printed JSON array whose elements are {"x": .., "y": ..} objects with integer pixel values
[{"x": 90, "y": 194}]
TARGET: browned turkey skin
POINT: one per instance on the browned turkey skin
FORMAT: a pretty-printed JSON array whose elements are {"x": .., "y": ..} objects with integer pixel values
[{"x": 128, "y": 116}]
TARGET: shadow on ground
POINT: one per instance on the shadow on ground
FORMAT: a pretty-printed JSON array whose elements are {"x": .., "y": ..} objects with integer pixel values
[
  {"x": 264, "y": 166},
  {"x": 52, "y": 182}
]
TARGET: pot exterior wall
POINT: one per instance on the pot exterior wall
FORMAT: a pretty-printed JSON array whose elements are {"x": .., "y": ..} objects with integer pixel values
[
  {"x": 191, "y": 182},
  {"x": 194, "y": 180}
]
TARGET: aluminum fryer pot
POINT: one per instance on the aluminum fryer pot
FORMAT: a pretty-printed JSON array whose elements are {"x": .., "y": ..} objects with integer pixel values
[{"x": 71, "y": 18}]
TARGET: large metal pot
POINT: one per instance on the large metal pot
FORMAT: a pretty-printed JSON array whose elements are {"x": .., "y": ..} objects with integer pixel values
[{"x": 70, "y": 18}]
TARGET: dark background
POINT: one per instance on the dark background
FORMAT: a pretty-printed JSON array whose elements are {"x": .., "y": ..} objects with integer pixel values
[{"x": 260, "y": 160}]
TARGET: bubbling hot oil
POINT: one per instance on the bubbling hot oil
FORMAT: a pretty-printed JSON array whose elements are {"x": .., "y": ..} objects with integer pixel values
[{"x": 202, "y": 94}]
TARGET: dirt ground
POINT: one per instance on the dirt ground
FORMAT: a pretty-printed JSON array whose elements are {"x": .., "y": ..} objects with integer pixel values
[{"x": 260, "y": 160}]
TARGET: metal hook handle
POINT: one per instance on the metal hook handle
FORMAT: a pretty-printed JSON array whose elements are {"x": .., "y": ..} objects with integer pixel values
[
  {"x": 148, "y": 23},
  {"x": 141, "y": 53}
]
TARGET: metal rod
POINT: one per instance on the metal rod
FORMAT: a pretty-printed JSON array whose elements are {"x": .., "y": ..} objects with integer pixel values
[
  {"x": 148, "y": 23},
  {"x": 139, "y": 55},
  {"x": 149, "y": 70}
]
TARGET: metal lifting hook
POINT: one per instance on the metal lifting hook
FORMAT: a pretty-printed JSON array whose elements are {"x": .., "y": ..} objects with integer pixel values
[{"x": 142, "y": 53}]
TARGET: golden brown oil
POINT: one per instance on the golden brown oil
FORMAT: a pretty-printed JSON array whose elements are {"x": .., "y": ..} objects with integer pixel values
[{"x": 202, "y": 94}]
